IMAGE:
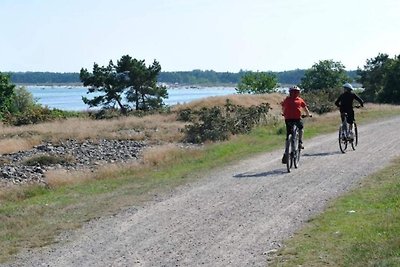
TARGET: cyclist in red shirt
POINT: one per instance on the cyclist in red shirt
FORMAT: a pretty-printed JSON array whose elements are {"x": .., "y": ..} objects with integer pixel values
[{"x": 291, "y": 110}]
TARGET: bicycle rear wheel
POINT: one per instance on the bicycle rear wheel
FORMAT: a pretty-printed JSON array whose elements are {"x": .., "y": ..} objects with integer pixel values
[{"x": 342, "y": 140}]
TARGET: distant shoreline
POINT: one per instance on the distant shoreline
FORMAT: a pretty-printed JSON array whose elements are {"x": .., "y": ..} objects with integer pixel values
[{"x": 166, "y": 84}]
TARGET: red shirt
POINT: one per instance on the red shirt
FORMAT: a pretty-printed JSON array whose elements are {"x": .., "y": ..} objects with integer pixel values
[{"x": 292, "y": 107}]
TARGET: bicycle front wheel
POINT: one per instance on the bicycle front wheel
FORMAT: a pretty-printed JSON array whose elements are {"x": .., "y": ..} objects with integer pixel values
[
  {"x": 355, "y": 134},
  {"x": 289, "y": 153},
  {"x": 355, "y": 140},
  {"x": 296, "y": 152},
  {"x": 342, "y": 140}
]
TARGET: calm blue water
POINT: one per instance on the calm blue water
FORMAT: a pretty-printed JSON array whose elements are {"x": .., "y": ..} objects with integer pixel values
[{"x": 70, "y": 98}]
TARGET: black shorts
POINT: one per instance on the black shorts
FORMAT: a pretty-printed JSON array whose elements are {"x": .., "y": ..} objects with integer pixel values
[
  {"x": 350, "y": 116},
  {"x": 290, "y": 123}
]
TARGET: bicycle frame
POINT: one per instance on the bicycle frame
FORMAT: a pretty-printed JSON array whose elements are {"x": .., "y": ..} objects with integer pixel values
[
  {"x": 292, "y": 149},
  {"x": 344, "y": 132}
]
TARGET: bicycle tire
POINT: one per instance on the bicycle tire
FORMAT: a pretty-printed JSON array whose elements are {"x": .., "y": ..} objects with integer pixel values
[
  {"x": 289, "y": 159},
  {"x": 355, "y": 134},
  {"x": 296, "y": 149},
  {"x": 355, "y": 140},
  {"x": 342, "y": 141}
]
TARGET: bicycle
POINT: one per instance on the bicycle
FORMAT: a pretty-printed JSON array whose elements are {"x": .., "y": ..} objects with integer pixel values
[
  {"x": 293, "y": 147},
  {"x": 344, "y": 134}
]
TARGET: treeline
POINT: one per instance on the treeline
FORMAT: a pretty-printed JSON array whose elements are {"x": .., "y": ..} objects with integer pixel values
[
  {"x": 44, "y": 78},
  {"x": 198, "y": 77}
]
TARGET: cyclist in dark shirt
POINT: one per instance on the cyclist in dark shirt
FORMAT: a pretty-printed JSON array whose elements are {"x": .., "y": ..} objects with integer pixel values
[{"x": 345, "y": 104}]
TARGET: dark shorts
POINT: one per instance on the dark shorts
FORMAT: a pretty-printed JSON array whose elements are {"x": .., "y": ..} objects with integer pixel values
[
  {"x": 290, "y": 123},
  {"x": 350, "y": 116}
]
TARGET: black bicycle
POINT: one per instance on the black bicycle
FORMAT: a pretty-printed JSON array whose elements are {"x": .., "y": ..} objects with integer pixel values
[
  {"x": 345, "y": 137},
  {"x": 293, "y": 147}
]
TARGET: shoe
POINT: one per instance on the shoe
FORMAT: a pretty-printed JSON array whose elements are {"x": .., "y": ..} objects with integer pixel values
[
  {"x": 284, "y": 159},
  {"x": 301, "y": 145}
]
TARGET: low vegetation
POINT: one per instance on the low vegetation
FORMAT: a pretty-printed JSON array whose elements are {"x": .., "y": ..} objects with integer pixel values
[
  {"x": 32, "y": 216},
  {"x": 219, "y": 123}
]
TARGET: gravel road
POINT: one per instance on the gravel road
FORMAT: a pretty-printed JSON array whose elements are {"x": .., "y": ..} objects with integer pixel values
[{"x": 234, "y": 216}]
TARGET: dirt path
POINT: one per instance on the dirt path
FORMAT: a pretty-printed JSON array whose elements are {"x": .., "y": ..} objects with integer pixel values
[{"x": 233, "y": 216}]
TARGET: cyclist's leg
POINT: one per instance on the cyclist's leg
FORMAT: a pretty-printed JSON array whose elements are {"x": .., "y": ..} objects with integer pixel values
[
  {"x": 300, "y": 125},
  {"x": 288, "y": 130},
  {"x": 343, "y": 115},
  {"x": 350, "y": 119}
]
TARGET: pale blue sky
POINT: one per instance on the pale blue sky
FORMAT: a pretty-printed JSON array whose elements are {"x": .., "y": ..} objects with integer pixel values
[{"x": 220, "y": 35}]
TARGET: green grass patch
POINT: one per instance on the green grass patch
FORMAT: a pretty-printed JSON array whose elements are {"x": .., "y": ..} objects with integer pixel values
[
  {"x": 48, "y": 160},
  {"x": 33, "y": 216},
  {"x": 361, "y": 228}
]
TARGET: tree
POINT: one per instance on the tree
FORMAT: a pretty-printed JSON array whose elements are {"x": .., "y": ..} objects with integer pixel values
[
  {"x": 142, "y": 82},
  {"x": 257, "y": 83},
  {"x": 130, "y": 81},
  {"x": 381, "y": 79},
  {"x": 391, "y": 89},
  {"x": 325, "y": 74},
  {"x": 108, "y": 83},
  {"x": 22, "y": 100},
  {"x": 6, "y": 93}
]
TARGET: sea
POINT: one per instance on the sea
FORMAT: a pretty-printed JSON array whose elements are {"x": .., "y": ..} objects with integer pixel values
[{"x": 70, "y": 97}]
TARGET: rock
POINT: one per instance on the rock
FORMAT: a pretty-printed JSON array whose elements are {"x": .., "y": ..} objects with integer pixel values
[{"x": 77, "y": 155}]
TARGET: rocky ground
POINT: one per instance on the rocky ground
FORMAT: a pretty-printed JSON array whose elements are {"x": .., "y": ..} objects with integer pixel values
[{"x": 27, "y": 166}]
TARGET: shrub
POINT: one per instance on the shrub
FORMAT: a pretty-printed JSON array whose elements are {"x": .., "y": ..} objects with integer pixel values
[
  {"x": 45, "y": 160},
  {"x": 218, "y": 123},
  {"x": 37, "y": 114},
  {"x": 322, "y": 101}
]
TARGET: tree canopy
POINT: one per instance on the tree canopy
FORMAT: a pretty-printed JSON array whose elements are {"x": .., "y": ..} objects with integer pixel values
[
  {"x": 127, "y": 83},
  {"x": 325, "y": 74},
  {"x": 381, "y": 79},
  {"x": 257, "y": 83},
  {"x": 6, "y": 93}
]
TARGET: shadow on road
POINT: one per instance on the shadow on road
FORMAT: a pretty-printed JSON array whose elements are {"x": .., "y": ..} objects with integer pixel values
[
  {"x": 260, "y": 174},
  {"x": 321, "y": 154}
]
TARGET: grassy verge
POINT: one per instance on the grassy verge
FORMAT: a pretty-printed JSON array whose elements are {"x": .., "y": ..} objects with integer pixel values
[
  {"x": 33, "y": 216},
  {"x": 361, "y": 228}
]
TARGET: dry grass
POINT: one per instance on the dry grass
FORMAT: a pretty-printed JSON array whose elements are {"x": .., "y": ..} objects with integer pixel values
[
  {"x": 160, "y": 155},
  {"x": 167, "y": 153},
  {"x": 153, "y": 128},
  {"x": 246, "y": 100},
  {"x": 10, "y": 145}
]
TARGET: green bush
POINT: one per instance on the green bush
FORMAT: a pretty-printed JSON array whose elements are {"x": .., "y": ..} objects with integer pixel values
[
  {"x": 37, "y": 114},
  {"x": 322, "y": 101},
  {"x": 218, "y": 123},
  {"x": 46, "y": 160}
]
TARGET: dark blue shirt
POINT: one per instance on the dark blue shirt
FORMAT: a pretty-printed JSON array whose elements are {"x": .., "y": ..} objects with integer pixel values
[{"x": 345, "y": 101}]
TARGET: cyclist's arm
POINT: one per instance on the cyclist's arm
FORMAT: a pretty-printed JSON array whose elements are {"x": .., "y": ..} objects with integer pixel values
[
  {"x": 359, "y": 100},
  {"x": 305, "y": 108},
  {"x": 337, "y": 102}
]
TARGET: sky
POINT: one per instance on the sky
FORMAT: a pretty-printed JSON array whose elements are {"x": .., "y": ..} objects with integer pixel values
[{"x": 184, "y": 35}]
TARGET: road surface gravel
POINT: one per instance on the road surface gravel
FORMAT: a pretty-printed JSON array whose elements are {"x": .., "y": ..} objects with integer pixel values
[{"x": 234, "y": 216}]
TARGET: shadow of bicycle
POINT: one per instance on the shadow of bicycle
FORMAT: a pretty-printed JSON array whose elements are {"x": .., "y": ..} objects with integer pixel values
[
  {"x": 321, "y": 154},
  {"x": 260, "y": 174}
]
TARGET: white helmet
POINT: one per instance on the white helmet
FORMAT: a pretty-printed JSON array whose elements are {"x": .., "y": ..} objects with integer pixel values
[
  {"x": 348, "y": 86},
  {"x": 294, "y": 88}
]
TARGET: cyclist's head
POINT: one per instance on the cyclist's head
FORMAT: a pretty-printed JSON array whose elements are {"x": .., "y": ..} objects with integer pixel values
[
  {"x": 347, "y": 87},
  {"x": 294, "y": 91}
]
